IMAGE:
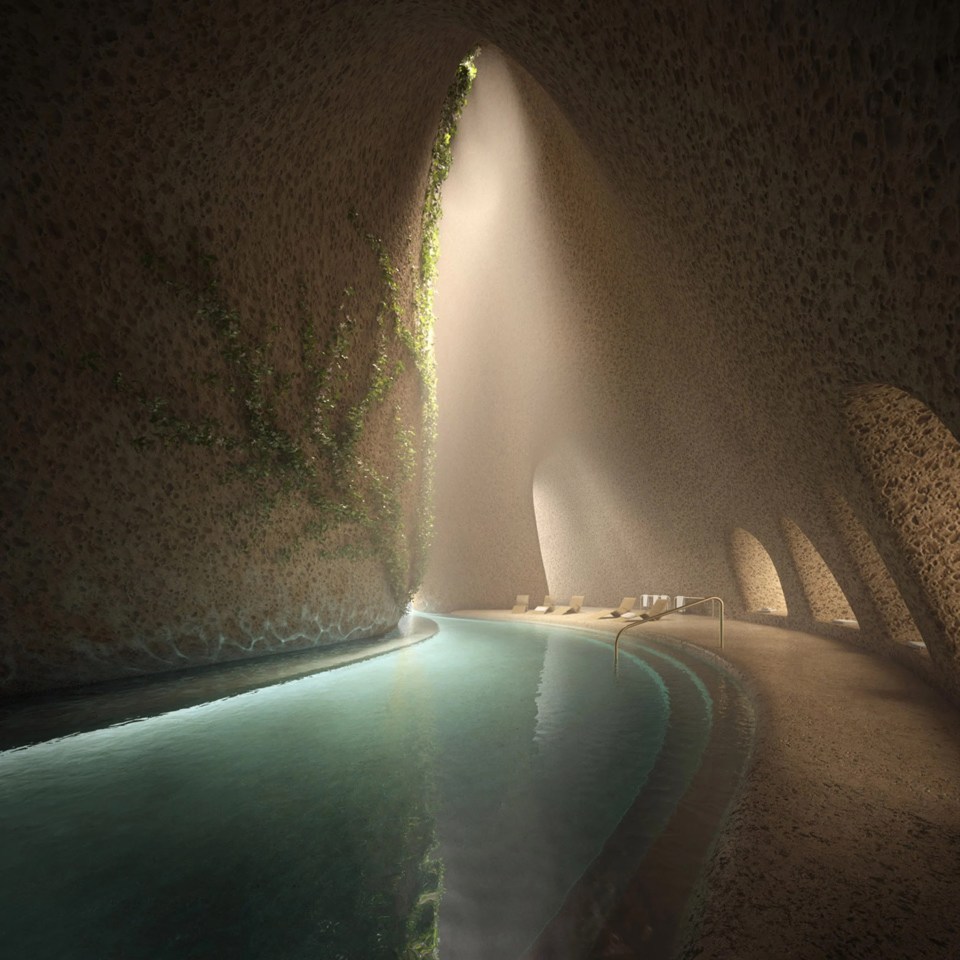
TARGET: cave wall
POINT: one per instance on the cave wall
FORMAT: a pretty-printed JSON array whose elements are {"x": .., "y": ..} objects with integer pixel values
[
  {"x": 139, "y": 144},
  {"x": 754, "y": 219},
  {"x": 745, "y": 215}
]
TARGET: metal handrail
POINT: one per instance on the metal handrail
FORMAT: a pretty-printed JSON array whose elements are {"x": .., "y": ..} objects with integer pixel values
[{"x": 684, "y": 606}]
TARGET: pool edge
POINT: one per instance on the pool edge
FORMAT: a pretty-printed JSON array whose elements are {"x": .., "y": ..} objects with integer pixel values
[{"x": 39, "y": 718}]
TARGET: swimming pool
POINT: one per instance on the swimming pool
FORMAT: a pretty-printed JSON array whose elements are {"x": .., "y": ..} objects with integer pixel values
[{"x": 464, "y": 791}]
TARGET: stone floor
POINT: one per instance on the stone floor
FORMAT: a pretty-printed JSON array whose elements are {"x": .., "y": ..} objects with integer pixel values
[{"x": 845, "y": 842}]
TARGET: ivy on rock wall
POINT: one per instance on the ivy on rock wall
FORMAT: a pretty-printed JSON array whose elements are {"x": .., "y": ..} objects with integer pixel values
[
  {"x": 440, "y": 163},
  {"x": 292, "y": 433}
]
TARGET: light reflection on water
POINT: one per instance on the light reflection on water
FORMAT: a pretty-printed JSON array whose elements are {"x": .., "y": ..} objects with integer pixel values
[{"x": 313, "y": 819}]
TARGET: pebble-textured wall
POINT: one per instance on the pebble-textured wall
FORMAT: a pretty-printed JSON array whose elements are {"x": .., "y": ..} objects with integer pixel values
[
  {"x": 753, "y": 208},
  {"x": 898, "y": 624},
  {"x": 248, "y": 132},
  {"x": 824, "y": 596},
  {"x": 760, "y": 587},
  {"x": 913, "y": 461}
]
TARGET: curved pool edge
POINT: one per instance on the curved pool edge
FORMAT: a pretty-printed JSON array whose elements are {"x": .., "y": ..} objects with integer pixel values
[
  {"x": 646, "y": 915},
  {"x": 37, "y": 718},
  {"x": 643, "y": 919}
]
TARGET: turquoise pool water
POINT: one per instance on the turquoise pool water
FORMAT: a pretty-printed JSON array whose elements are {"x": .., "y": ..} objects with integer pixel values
[{"x": 459, "y": 788}]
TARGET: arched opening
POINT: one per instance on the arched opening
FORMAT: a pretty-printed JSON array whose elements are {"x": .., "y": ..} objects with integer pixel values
[
  {"x": 912, "y": 461},
  {"x": 886, "y": 597},
  {"x": 757, "y": 575},
  {"x": 825, "y": 598}
]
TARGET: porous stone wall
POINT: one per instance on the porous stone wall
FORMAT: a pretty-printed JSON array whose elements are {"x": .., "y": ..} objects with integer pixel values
[
  {"x": 169, "y": 499},
  {"x": 913, "y": 463},
  {"x": 743, "y": 212},
  {"x": 759, "y": 582},
  {"x": 824, "y": 595},
  {"x": 899, "y": 626}
]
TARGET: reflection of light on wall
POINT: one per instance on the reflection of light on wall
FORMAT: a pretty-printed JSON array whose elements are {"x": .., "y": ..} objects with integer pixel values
[
  {"x": 498, "y": 273},
  {"x": 489, "y": 224}
]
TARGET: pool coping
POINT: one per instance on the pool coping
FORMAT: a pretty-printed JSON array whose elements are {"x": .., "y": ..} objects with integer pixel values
[{"x": 36, "y": 718}]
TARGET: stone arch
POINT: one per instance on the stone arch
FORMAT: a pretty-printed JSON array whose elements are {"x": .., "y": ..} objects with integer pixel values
[
  {"x": 883, "y": 590},
  {"x": 758, "y": 578},
  {"x": 825, "y": 598},
  {"x": 911, "y": 460}
]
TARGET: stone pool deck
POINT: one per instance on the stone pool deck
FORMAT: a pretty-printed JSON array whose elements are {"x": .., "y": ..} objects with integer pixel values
[{"x": 845, "y": 841}]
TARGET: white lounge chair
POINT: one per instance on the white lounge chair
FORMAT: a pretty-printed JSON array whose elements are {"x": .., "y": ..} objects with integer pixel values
[
  {"x": 546, "y": 606},
  {"x": 575, "y": 604},
  {"x": 523, "y": 601},
  {"x": 626, "y": 605},
  {"x": 659, "y": 606}
]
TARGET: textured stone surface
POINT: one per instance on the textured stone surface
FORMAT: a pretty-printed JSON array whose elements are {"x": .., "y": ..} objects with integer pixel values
[
  {"x": 743, "y": 214},
  {"x": 760, "y": 585},
  {"x": 248, "y": 132},
  {"x": 824, "y": 596},
  {"x": 913, "y": 461},
  {"x": 898, "y": 624}
]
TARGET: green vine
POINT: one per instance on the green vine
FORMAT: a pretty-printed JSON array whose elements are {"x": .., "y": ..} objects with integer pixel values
[
  {"x": 441, "y": 161},
  {"x": 401, "y": 556},
  {"x": 296, "y": 434},
  {"x": 310, "y": 455}
]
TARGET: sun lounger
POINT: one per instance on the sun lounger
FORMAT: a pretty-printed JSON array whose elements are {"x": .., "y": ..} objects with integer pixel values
[
  {"x": 649, "y": 599},
  {"x": 659, "y": 606},
  {"x": 626, "y": 605},
  {"x": 523, "y": 601},
  {"x": 575, "y": 604},
  {"x": 546, "y": 606}
]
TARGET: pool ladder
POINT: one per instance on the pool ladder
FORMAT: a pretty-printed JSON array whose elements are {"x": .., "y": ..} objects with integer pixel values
[{"x": 683, "y": 606}]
